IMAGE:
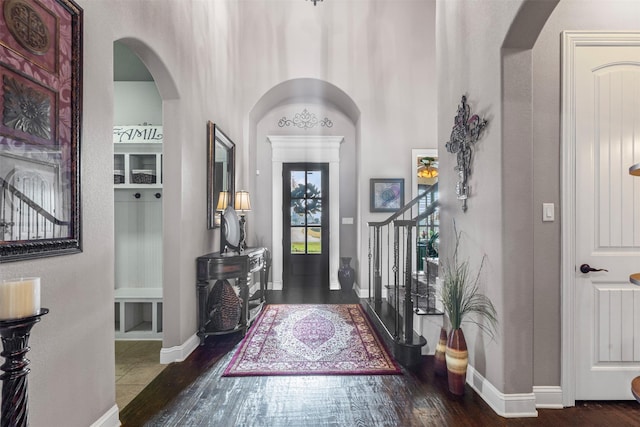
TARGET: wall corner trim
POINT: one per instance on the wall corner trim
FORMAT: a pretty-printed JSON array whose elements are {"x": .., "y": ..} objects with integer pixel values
[
  {"x": 548, "y": 397},
  {"x": 180, "y": 352},
  {"x": 518, "y": 405},
  {"x": 109, "y": 419}
]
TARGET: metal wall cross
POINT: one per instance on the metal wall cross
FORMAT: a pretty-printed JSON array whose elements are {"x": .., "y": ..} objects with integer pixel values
[{"x": 466, "y": 131}]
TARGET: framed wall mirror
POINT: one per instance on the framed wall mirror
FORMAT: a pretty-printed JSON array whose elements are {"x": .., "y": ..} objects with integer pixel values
[
  {"x": 221, "y": 155},
  {"x": 41, "y": 97}
]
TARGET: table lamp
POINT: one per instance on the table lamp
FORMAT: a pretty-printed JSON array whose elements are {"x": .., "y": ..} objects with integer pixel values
[{"x": 242, "y": 205}]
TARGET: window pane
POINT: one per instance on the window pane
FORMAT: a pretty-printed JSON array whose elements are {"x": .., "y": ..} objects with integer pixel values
[
  {"x": 314, "y": 212},
  {"x": 298, "y": 209},
  {"x": 314, "y": 240},
  {"x": 297, "y": 240},
  {"x": 314, "y": 184},
  {"x": 297, "y": 184}
]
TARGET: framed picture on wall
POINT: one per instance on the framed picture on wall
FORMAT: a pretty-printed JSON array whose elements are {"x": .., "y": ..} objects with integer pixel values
[
  {"x": 40, "y": 122},
  {"x": 386, "y": 194}
]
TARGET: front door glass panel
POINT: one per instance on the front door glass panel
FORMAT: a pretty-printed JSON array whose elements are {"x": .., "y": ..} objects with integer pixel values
[{"x": 306, "y": 212}]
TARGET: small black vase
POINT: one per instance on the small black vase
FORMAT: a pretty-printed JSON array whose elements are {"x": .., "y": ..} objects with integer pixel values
[{"x": 346, "y": 274}]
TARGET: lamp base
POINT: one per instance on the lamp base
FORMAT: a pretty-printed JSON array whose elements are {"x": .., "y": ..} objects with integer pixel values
[{"x": 242, "y": 244}]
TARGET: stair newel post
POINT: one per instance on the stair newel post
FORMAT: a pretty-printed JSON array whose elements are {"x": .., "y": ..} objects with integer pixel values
[
  {"x": 369, "y": 259},
  {"x": 396, "y": 277},
  {"x": 377, "y": 291},
  {"x": 408, "y": 304}
]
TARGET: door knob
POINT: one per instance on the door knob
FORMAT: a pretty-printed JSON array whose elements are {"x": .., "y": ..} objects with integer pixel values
[{"x": 586, "y": 268}]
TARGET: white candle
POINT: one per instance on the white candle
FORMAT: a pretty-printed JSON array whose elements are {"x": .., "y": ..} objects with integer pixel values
[{"x": 19, "y": 298}]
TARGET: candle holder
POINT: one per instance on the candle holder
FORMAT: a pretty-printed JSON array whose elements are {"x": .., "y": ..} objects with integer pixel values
[{"x": 15, "y": 344}]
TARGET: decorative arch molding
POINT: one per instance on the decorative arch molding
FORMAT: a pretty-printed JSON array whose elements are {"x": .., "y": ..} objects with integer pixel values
[
  {"x": 304, "y": 88},
  {"x": 156, "y": 66},
  {"x": 315, "y": 149},
  {"x": 517, "y": 108},
  {"x": 528, "y": 23}
]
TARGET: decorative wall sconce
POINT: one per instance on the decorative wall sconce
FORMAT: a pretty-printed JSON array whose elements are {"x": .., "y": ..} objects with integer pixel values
[{"x": 466, "y": 131}]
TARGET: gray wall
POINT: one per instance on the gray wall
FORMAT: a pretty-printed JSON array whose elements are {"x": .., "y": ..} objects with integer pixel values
[
  {"x": 516, "y": 167},
  {"x": 261, "y": 155},
  {"x": 468, "y": 59},
  {"x": 136, "y": 103},
  {"x": 602, "y": 15},
  {"x": 213, "y": 60}
]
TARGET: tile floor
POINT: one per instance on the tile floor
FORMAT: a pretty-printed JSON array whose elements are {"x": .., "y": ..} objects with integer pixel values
[{"x": 137, "y": 363}]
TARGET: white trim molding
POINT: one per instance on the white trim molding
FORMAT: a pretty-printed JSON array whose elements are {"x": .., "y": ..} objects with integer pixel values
[
  {"x": 180, "y": 352},
  {"x": 548, "y": 397},
  {"x": 111, "y": 418},
  {"x": 571, "y": 40},
  {"x": 517, "y": 405},
  {"x": 312, "y": 149}
]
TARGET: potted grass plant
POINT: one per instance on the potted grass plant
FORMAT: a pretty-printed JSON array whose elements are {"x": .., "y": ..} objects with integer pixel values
[{"x": 463, "y": 302}]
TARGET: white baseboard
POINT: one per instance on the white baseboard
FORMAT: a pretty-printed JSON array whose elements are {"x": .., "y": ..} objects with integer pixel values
[
  {"x": 520, "y": 405},
  {"x": 179, "y": 353},
  {"x": 548, "y": 397},
  {"x": 276, "y": 286},
  {"x": 109, "y": 419},
  {"x": 361, "y": 292}
]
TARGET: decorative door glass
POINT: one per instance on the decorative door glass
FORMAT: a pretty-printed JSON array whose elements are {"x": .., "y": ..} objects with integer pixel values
[{"x": 306, "y": 212}]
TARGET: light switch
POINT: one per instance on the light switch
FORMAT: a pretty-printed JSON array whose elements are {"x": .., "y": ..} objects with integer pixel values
[
  {"x": 347, "y": 220},
  {"x": 548, "y": 212}
]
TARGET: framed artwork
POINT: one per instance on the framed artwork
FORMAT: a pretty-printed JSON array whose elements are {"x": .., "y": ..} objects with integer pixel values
[
  {"x": 386, "y": 194},
  {"x": 40, "y": 122}
]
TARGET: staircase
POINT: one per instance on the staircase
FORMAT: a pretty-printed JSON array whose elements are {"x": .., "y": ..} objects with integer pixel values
[
  {"x": 402, "y": 277},
  {"x": 22, "y": 218}
]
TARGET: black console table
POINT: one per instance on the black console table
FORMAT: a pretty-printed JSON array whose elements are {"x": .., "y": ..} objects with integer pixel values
[{"x": 232, "y": 265}]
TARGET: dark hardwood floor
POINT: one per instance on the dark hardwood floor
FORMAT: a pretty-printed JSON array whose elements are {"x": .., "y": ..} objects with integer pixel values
[{"x": 192, "y": 393}]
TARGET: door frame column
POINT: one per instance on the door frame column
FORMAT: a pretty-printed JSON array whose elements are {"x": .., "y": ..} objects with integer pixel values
[{"x": 305, "y": 149}]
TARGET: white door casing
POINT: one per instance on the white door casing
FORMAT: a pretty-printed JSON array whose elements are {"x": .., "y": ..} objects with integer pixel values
[
  {"x": 311, "y": 149},
  {"x": 601, "y": 215}
]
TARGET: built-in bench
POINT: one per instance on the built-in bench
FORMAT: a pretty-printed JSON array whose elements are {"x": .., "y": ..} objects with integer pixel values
[{"x": 138, "y": 313}]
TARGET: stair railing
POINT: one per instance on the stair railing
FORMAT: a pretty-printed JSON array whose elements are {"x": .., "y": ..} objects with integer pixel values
[
  {"x": 393, "y": 251},
  {"x": 21, "y": 218}
]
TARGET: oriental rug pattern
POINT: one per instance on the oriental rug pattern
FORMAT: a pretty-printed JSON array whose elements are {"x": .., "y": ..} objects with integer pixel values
[{"x": 307, "y": 339}]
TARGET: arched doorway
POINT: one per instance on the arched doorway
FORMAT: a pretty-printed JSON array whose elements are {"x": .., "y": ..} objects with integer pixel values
[
  {"x": 334, "y": 119},
  {"x": 141, "y": 85}
]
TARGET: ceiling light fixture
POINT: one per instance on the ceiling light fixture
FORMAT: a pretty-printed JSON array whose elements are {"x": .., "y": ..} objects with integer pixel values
[{"x": 315, "y": 1}]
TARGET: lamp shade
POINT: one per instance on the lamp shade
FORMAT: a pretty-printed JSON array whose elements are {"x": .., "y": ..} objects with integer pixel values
[
  {"x": 242, "y": 202},
  {"x": 223, "y": 201}
]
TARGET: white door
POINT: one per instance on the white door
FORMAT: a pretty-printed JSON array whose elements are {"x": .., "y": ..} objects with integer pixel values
[{"x": 607, "y": 218}]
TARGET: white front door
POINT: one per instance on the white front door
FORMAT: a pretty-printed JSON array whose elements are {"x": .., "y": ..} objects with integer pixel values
[{"x": 606, "y": 91}]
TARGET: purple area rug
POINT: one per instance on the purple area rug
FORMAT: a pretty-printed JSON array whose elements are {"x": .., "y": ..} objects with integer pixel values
[{"x": 309, "y": 339}]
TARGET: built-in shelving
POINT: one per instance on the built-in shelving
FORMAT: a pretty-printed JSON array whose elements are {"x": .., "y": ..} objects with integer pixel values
[
  {"x": 137, "y": 181},
  {"x": 137, "y": 165}
]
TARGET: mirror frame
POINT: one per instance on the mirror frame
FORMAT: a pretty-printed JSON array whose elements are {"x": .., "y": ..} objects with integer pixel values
[
  {"x": 215, "y": 136},
  {"x": 58, "y": 153}
]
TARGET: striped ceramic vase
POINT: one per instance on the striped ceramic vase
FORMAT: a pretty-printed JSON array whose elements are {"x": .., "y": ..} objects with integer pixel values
[
  {"x": 457, "y": 361},
  {"x": 440, "y": 362}
]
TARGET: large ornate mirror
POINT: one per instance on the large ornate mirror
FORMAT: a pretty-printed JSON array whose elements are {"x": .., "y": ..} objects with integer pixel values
[
  {"x": 41, "y": 97},
  {"x": 220, "y": 174}
]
